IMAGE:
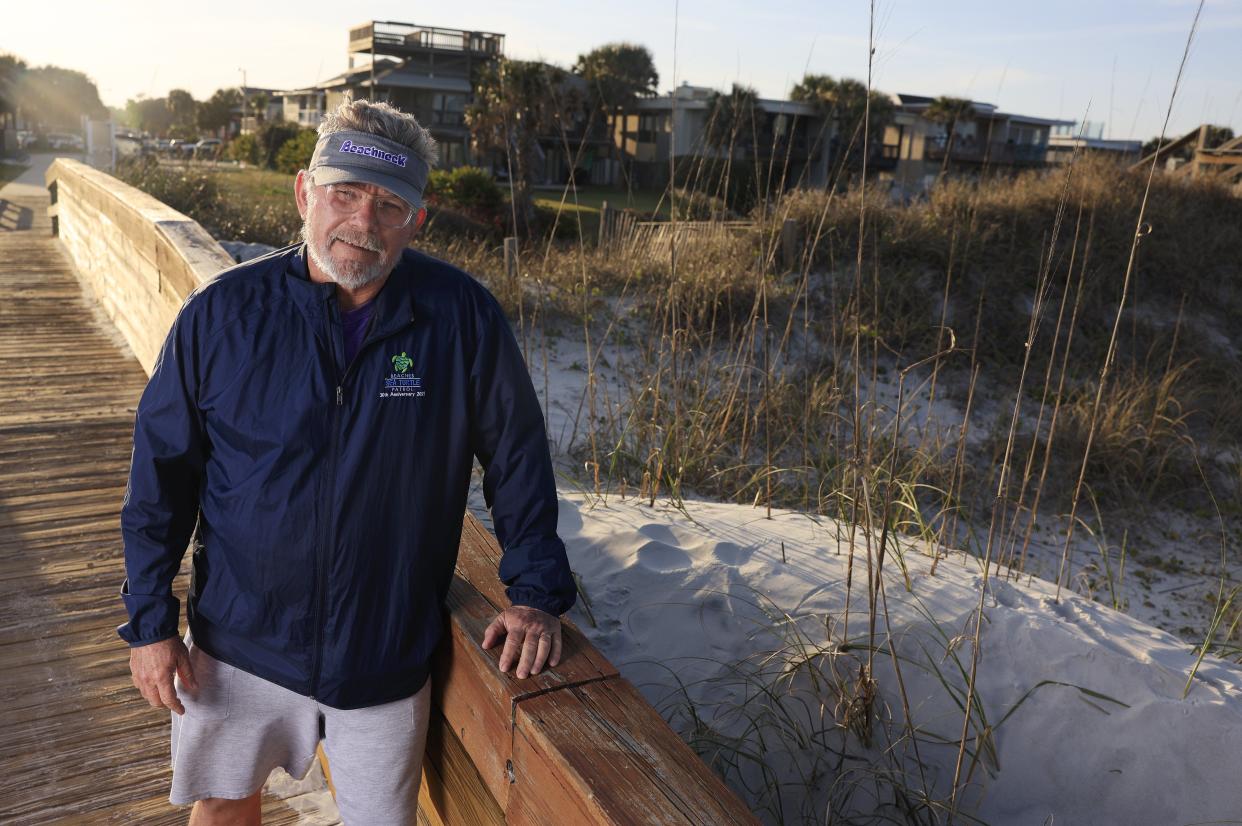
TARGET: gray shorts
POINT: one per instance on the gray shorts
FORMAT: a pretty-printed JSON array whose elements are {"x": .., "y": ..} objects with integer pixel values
[{"x": 239, "y": 727}]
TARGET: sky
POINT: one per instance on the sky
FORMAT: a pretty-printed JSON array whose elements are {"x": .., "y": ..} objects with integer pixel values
[{"x": 1106, "y": 61}]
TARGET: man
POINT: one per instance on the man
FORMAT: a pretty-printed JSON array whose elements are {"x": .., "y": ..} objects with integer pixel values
[{"x": 311, "y": 423}]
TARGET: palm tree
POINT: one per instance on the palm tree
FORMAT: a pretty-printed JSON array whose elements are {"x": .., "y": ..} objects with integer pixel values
[
  {"x": 948, "y": 110},
  {"x": 732, "y": 119},
  {"x": 844, "y": 103},
  {"x": 516, "y": 101},
  {"x": 617, "y": 74}
]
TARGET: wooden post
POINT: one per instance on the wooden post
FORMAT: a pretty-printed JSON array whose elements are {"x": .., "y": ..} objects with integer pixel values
[
  {"x": 1196, "y": 165},
  {"x": 605, "y": 224},
  {"x": 789, "y": 244},
  {"x": 511, "y": 264}
]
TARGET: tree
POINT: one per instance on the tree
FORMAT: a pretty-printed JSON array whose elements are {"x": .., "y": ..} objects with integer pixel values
[
  {"x": 12, "y": 68},
  {"x": 1216, "y": 135},
  {"x": 258, "y": 105},
  {"x": 949, "y": 111},
  {"x": 182, "y": 108},
  {"x": 844, "y": 103},
  {"x": 58, "y": 98},
  {"x": 732, "y": 119},
  {"x": 617, "y": 74},
  {"x": 148, "y": 115},
  {"x": 516, "y": 101},
  {"x": 217, "y": 111}
]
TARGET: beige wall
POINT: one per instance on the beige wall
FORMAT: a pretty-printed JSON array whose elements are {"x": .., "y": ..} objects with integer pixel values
[{"x": 139, "y": 258}]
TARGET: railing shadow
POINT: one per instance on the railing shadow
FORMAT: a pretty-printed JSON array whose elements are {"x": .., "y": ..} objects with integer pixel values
[{"x": 14, "y": 217}]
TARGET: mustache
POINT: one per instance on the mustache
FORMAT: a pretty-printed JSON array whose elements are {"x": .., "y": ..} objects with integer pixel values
[{"x": 358, "y": 239}]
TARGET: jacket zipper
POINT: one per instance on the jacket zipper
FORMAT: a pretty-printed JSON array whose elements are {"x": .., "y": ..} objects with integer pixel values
[
  {"x": 329, "y": 521},
  {"x": 321, "y": 586}
]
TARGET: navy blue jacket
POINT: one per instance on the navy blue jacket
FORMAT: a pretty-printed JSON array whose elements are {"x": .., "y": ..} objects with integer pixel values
[{"x": 325, "y": 500}]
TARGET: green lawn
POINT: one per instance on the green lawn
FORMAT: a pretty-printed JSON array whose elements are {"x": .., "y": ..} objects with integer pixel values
[
  {"x": 590, "y": 199},
  {"x": 254, "y": 185},
  {"x": 585, "y": 204}
]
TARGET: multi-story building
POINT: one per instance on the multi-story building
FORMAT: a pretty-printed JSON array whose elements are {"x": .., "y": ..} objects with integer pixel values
[
  {"x": 917, "y": 149},
  {"x": 424, "y": 70},
  {"x": 787, "y": 135}
]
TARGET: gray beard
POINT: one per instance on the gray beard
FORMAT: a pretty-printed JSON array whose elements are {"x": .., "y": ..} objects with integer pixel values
[{"x": 351, "y": 275}]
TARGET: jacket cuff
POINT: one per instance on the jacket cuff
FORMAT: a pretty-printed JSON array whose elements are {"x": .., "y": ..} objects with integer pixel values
[
  {"x": 152, "y": 617},
  {"x": 537, "y": 574},
  {"x": 532, "y": 598}
]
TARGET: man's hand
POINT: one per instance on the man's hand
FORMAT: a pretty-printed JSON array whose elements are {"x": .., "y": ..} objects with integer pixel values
[
  {"x": 152, "y": 668},
  {"x": 533, "y": 634}
]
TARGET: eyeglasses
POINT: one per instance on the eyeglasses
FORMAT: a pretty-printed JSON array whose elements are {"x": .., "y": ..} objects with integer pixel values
[{"x": 390, "y": 213}]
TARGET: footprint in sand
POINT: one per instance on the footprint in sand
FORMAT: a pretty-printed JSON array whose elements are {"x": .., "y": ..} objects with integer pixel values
[
  {"x": 568, "y": 518},
  {"x": 669, "y": 534},
  {"x": 730, "y": 553},
  {"x": 663, "y": 558}
]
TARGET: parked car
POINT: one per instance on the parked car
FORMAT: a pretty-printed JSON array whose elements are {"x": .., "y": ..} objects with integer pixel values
[
  {"x": 131, "y": 146},
  {"x": 64, "y": 140},
  {"x": 181, "y": 148},
  {"x": 207, "y": 148}
]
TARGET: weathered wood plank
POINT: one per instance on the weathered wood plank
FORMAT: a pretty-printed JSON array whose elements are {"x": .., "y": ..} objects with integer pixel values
[{"x": 80, "y": 744}]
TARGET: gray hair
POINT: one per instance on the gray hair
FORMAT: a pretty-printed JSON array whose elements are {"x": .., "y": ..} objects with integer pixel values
[{"x": 384, "y": 120}]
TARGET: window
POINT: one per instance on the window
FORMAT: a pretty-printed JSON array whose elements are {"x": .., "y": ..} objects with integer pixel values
[
  {"x": 448, "y": 109},
  {"x": 452, "y": 154},
  {"x": 649, "y": 127}
]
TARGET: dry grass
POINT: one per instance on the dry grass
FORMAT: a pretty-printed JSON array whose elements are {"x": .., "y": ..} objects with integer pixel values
[{"x": 711, "y": 369}]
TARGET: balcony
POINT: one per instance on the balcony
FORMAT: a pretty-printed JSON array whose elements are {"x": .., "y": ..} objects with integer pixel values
[
  {"x": 971, "y": 151},
  {"x": 405, "y": 40}
]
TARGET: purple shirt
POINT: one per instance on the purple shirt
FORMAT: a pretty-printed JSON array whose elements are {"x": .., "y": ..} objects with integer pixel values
[{"x": 355, "y": 323}]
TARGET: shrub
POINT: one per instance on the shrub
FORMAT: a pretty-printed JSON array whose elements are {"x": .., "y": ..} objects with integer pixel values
[
  {"x": 439, "y": 186},
  {"x": 468, "y": 190},
  {"x": 474, "y": 189},
  {"x": 295, "y": 153},
  {"x": 272, "y": 137},
  {"x": 466, "y": 187},
  {"x": 198, "y": 195},
  {"x": 244, "y": 148},
  {"x": 185, "y": 190}
]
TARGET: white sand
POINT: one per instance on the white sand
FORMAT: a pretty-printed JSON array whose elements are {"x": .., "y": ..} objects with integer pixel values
[{"x": 672, "y": 596}]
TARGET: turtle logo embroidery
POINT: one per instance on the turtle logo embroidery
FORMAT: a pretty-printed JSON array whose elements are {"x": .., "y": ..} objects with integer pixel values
[{"x": 401, "y": 382}]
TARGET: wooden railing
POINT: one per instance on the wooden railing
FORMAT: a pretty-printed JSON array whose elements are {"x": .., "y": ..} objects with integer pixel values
[
  {"x": 401, "y": 39},
  {"x": 576, "y": 744},
  {"x": 139, "y": 257}
]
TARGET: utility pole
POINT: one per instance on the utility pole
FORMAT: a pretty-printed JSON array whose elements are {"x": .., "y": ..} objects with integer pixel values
[{"x": 241, "y": 129}]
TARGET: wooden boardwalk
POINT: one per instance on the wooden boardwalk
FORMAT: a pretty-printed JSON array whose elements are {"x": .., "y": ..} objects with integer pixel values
[{"x": 79, "y": 743}]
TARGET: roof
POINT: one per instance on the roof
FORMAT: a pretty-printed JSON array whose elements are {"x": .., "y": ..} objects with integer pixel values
[
  {"x": 699, "y": 97},
  {"x": 1110, "y": 145},
  {"x": 1033, "y": 120},
  {"x": 417, "y": 80},
  {"x": 918, "y": 103},
  {"x": 353, "y": 76}
]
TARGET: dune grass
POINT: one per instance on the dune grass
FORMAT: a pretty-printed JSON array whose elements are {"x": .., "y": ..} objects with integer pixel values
[{"x": 930, "y": 375}]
